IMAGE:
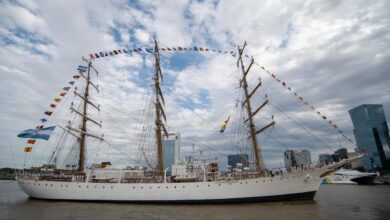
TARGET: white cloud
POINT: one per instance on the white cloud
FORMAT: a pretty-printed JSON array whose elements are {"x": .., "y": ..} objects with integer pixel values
[
  {"x": 141, "y": 35},
  {"x": 335, "y": 55}
]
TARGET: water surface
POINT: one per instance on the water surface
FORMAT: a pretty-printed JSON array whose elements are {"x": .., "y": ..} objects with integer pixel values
[{"x": 331, "y": 202}]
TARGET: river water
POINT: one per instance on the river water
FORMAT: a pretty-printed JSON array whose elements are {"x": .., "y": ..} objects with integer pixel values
[{"x": 331, "y": 202}]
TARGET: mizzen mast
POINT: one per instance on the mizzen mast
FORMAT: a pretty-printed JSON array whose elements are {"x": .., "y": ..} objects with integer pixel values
[
  {"x": 247, "y": 104},
  {"x": 159, "y": 103}
]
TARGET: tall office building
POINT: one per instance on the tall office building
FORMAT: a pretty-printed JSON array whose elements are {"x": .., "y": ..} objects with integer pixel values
[
  {"x": 372, "y": 135},
  {"x": 238, "y": 158},
  {"x": 296, "y": 158},
  {"x": 171, "y": 149}
]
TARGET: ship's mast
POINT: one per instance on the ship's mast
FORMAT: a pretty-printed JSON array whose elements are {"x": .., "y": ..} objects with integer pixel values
[
  {"x": 82, "y": 133},
  {"x": 84, "y": 121},
  {"x": 247, "y": 103},
  {"x": 159, "y": 103}
]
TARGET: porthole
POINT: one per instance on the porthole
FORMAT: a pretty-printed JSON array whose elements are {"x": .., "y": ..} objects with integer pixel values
[
  {"x": 103, "y": 187},
  {"x": 142, "y": 187},
  {"x": 263, "y": 181},
  {"x": 246, "y": 182},
  {"x": 61, "y": 185},
  {"x": 66, "y": 185},
  {"x": 197, "y": 186},
  {"x": 39, "y": 184},
  {"x": 34, "y": 184},
  {"x": 174, "y": 187},
  {"x": 95, "y": 187},
  {"x": 150, "y": 187},
  {"x": 46, "y": 184},
  {"x": 240, "y": 182},
  {"x": 133, "y": 187},
  {"x": 219, "y": 184},
  {"x": 208, "y": 185},
  {"x": 87, "y": 186},
  {"x": 112, "y": 187},
  {"x": 166, "y": 187},
  {"x": 51, "y": 184},
  {"x": 183, "y": 186},
  {"x": 256, "y": 181},
  {"x": 79, "y": 186},
  {"x": 158, "y": 187}
]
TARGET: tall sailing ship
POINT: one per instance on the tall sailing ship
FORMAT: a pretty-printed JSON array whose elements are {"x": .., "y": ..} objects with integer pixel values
[{"x": 183, "y": 182}]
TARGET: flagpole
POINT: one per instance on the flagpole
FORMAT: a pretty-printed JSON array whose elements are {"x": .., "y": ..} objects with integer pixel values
[{"x": 24, "y": 163}]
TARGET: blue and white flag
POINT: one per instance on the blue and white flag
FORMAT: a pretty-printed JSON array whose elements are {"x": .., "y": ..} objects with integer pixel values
[{"x": 39, "y": 133}]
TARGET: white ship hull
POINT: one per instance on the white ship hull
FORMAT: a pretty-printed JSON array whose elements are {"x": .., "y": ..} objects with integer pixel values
[
  {"x": 289, "y": 186},
  {"x": 293, "y": 186}
]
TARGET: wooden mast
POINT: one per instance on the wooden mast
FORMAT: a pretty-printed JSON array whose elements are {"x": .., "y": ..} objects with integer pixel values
[
  {"x": 159, "y": 110},
  {"x": 84, "y": 120},
  {"x": 247, "y": 102}
]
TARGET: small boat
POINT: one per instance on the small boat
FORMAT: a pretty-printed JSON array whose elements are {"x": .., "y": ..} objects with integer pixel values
[{"x": 348, "y": 176}]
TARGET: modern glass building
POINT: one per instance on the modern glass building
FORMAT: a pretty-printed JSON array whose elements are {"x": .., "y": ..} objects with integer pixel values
[
  {"x": 296, "y": 158},
  {"x": 372, "y": 135},
  {"x": 171, "y": 150},
  {"x": 234, "y": 159}
]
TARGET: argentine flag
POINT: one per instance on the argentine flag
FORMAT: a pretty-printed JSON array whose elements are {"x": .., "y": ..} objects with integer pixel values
[{"x": 39, "y": 133}]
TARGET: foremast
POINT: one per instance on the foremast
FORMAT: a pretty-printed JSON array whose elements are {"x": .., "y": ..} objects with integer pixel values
[
  {"x": 82, "y": 133},
  {"x": 247, "y": 103},
  {"x": 159, "y": 103}
]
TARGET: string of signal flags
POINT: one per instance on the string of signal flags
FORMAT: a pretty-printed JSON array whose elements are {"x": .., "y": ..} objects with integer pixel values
[
  {"x": 102, "y": 54},
  {"x": 41, "y": 131}
]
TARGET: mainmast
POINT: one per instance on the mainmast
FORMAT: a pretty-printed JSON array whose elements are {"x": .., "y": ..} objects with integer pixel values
[
  {"x": 247, "y": 103},
  {"x": 159, "y": 103}
]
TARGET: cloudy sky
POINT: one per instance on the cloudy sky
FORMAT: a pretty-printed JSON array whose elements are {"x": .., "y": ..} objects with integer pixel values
[{"x": 333, "y": 53}]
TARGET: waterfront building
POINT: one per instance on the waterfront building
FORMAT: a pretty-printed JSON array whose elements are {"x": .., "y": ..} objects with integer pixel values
[
  {"x": 171, "y": 149},
  {"x": 340, "y": 154},
  {"x": 372, "y": 135},
  {"x": 235, "y": 159},
  {"x": 296, "y": 158},
  {"x": 325, "y": 159}
]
